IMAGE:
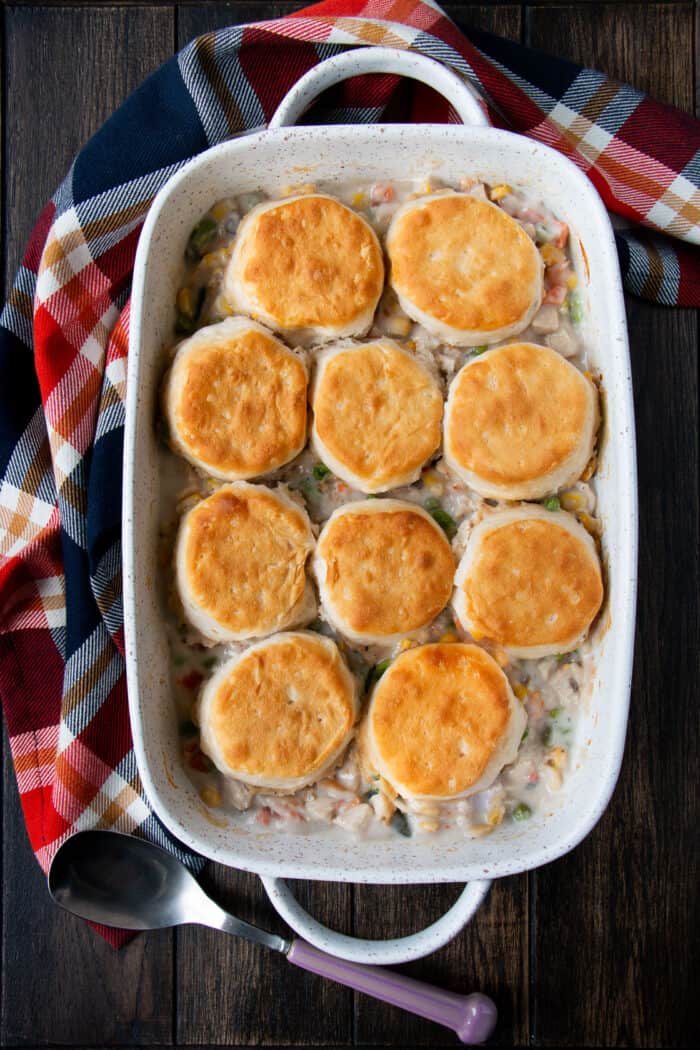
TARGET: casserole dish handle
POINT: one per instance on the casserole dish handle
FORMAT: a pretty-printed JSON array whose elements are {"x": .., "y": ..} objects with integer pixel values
[
  {"x": 462, "y": 97},
  {"x": 380, "y": 953}
]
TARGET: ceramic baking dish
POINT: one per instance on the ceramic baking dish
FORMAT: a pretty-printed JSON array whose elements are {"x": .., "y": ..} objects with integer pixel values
[{"x": 270, "y": 160}]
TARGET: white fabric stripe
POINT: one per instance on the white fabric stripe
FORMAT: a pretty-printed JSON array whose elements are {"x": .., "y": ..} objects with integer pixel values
[{"x": 81, "y": 666}]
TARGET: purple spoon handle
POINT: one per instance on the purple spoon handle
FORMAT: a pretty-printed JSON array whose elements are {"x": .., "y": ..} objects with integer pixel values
[{"x": 472, "y": 1017}]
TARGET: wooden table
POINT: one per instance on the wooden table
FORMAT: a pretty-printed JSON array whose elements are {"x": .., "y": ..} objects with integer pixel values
[{"x": 597, "y": 949}]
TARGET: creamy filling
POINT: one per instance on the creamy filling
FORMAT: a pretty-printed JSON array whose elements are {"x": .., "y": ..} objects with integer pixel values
[{"x": 552, "y": 690}]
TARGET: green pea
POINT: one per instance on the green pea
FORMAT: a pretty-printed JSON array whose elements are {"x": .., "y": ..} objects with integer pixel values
[
  {"x": 547, "y": 734},
  {"x": 575, "y": 308},
  {"x": 567, "y": 658},
  {"x": 522, "y": 812},
  {"x": 555, "y": 712},
  {"x": 379, "y": 669},
  {"x": 184, "y": 324},
  {"x": 476, "y": 350},
  {"x": 552, "y": 503},
  {"x": 432, "y": 504},
  {"x": 202, "y": 235},
  {"x": 399, "y": 822},
  {"x": 321, "y": 471},
  {"x": 446, "y": 523}
]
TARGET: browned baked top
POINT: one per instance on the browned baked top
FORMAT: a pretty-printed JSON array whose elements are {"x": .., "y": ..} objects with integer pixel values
[
  {"x": 531, "y": 582},
  {"x": 463, "y": 262},
  {"x": 284, "y": 709},
  {"x": 437, "y": 716}
]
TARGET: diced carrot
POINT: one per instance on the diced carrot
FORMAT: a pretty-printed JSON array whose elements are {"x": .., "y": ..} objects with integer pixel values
[
  {"x": 559, "y": 273},
  {"x": 556, "y": 294},
  {"x": 562, "y": 235},
  {"x": 200, "y": 762},
  {"x": 264, "y": 815}
]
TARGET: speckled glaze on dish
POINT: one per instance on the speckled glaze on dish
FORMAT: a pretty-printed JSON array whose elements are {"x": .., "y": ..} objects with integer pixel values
[{"x": 271, "y": 160}]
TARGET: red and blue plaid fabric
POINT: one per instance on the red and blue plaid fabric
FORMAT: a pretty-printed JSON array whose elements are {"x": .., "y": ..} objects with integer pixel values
[{"x": 64, "y": 334}]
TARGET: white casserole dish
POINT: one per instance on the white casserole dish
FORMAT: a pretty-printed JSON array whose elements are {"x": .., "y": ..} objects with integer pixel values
[{"x": 270, "y": 160}]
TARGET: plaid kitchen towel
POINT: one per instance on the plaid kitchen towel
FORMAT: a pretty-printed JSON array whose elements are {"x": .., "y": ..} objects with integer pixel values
[{"x": 64, "y": 333}]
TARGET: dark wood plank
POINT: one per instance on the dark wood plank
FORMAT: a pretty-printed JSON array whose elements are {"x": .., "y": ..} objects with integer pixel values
[
  {"x": 615, "y": 939},
  {"x": 61, "y": 982},
  {"x": 267, "y": 1000},
  {"x": 649, "y": 45},
  {"x": 490, "y": 955}
]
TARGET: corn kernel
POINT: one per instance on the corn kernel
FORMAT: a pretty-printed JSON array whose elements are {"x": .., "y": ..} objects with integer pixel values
[
  {"x": 449, "y": 636},
  {"x": 551, "y": 255},
  {"x": 477, "y": 636},
  {"x": 496, "y": 815},
  {"x": 411, "y": 344},
  {"x": 217, "y": 258},
  {"x": 571, "y": 281},
  {"x": 210, "y": 797},
  {"x": 433, "y": 482},
  {"x": 479, "y": 830},
  {"x": 429, "y": 825},
  {"x": 556, "y": 757},
  {"x": 520, "y": 691},
  {"x": 590, "y": 524},
  {"x": 589, "y": 375},
  {"x": 398, "y": 325},
  {"x": 571, "y": 500},
  {"x": 184, "y": 301},
  {"x": 359, "y": 200},
  {"x": 497, "y": 193},
  {"x": 428, "y": 186},
  {"x": 219, "y": 211},
  {"x": 407, "y": 643}
]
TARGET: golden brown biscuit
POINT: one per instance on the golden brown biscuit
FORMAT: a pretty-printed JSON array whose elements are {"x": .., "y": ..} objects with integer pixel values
[
  {"x": 520, "y": 422},
  {"x": 280, "y": 714},
  {"x": 463, "y": 268},
  {"x": 530, "y": 581},
  {"x": 376, "y": 414},
  {"x": 384, "y": 569},
  {"x": 240, "y": 563},
  {"x": 442, "y": 722},
  {"x": 235, "y": 400},
  {"x": 308, "y": 266}
]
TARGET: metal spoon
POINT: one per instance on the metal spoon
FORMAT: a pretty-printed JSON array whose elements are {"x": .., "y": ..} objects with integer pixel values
[{"x": 120, "y": 880}]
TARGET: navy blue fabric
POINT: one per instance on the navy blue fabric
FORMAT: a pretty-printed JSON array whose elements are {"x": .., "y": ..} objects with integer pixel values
[
  {"x": 18, "y": 375},
  {"x": 104, "y": 496},
  {"x": 526, "y": 62}
]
